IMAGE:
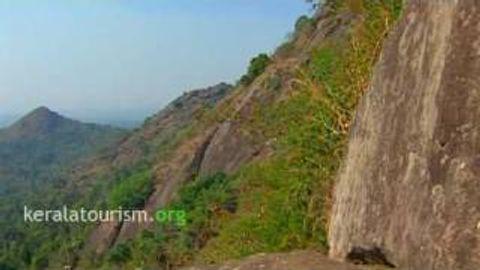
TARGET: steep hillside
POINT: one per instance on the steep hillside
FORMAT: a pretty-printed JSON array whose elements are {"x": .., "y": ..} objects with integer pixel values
[
  {"x": 160, "y": 138},
  {"x": 254, "y": 173},
  {"x": 251, "y": 166},
  {"x": 166, "y": 127},
  {"x": 410, "y": 187},
  {"x": 80, "y": 168}
]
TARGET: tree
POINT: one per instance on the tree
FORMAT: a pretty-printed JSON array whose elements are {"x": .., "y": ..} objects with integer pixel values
[{"x": 257, "y": 66}]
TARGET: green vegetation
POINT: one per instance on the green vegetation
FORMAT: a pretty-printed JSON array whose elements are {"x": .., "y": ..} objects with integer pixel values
[
  {"x": 37, "y": 155},
  {"x": 277, "y": 204},
  {"x": 257, "y": 66},
  {"x": 120, "y": 253},
  {"x": 31, "y": 245},
  {"x": 52, "y": 245},
  {"x": 284, "y": 202},
  {"x": 131, "y": 192},
  {"x": 281, "y": 203},
  {"x": 206, "y": 201}
]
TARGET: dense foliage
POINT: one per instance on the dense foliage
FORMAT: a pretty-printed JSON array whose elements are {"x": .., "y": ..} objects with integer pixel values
[
  {"x": 37, "y": 155},
  {"x": 131, "y": 192},
  {"x": 205, "y": 201}
]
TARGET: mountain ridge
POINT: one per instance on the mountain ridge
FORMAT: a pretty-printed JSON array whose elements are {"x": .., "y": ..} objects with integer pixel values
[
  {"x": 42, "y": 121},
  {"x": 44, "y": 138},
  {"x": 39, "y": 121}
]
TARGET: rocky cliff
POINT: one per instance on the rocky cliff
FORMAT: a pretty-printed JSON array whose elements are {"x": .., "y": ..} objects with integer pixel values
[
  {"x": 163, "y": 127},
  {"x": 409, "y": 190},
  {"x": 254, "y": 165},
  {"x": 155, "y": 143}
]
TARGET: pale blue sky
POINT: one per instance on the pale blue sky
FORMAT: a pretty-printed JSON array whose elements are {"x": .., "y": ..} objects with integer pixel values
[{"x": 125, "y": 59}]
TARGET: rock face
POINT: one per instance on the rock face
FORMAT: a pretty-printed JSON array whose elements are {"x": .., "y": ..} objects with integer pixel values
[
  {"x": 163, "y": 126},
  {"x": 409, "y": 191},
  {"x": 143, "y": 144}
]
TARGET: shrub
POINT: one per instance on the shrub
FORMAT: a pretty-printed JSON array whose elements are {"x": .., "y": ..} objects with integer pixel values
[
  {"x": 120, "y": 253},
  {"x": 257, "y": 66},
  {"x": 132, "y": 191},
  {"x": 203, "y": 199}
]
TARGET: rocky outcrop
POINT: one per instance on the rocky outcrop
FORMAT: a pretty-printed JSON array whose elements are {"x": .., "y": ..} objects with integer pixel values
[
  {"x": 410, "y": 186},
  {"x": 162, "y": 127},
  {"x": 228, "y": 150},
  {"x": 170, "y": 176},
  {"x": 168, "y": 173},
  {"x": 223, "y": 143}
]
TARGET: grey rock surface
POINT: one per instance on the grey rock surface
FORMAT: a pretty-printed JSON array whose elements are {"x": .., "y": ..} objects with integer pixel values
[{"x": 410, "y": 185}]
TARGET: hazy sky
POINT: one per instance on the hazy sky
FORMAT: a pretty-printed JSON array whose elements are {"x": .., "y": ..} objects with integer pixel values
[{"x": 125, "y": 59}]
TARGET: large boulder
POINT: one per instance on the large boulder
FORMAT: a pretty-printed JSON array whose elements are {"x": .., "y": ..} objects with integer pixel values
[{"x": 409, "y": 190}]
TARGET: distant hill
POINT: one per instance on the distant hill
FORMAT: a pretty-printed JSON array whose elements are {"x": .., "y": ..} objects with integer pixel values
[
  {"x": 37, "y": 156},
  {"x": 41, "y": 140}
]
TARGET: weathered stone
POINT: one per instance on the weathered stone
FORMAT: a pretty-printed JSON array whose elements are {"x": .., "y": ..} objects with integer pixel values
[{"x": 410, "y": 185}]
